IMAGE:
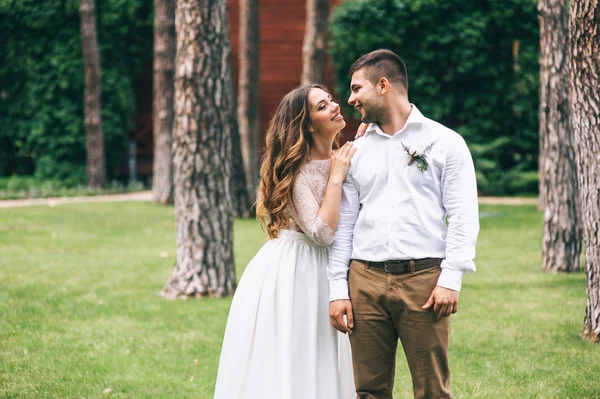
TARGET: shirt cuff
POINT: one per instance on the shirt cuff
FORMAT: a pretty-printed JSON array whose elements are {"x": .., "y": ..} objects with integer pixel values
[
  {"x": 338, "y": 289},
  {"x": 451, "y": 279}
]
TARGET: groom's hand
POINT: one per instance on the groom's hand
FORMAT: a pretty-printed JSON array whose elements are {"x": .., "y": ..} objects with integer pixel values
[
  {"x": 444, "y": 302},
  {"x": 337, "y": 310}
]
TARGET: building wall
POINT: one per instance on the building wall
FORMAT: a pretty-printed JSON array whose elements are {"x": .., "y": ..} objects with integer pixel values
[{"x": 281, "y": 34}]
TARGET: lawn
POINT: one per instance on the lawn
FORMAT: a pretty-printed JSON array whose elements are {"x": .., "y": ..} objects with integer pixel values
[{"x": 81, "y": 315}]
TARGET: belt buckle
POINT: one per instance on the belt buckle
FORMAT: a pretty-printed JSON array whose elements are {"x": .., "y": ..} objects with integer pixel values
[{"x": 385, "y": 267}]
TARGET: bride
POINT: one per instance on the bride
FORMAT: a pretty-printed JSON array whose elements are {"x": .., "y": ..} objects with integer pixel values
[{"x": 279, "y": 343}]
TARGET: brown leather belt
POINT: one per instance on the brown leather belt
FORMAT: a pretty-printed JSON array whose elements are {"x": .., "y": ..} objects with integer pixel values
[{"x": 403, "y": 266}]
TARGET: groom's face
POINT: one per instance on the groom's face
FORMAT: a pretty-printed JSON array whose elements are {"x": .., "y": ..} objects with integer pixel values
[{"x": 365, "y": 98}]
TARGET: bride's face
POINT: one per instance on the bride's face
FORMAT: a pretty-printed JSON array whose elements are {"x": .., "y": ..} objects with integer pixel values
[{"x": 324, "y": 113}]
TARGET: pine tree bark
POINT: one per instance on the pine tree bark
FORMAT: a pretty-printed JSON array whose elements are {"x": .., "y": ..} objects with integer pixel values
[
  {"x": 248, "y": 92},
  {"x": 96, "y": 170},
  {"x": 202, "y": 152},
  {"x": 240, "y": 195},
  {"x": 163, "y": 86},
  {"x": 584, "y": 50},
  {"x": 561, "y": 241},
  {"x": 313, "y": 48}
]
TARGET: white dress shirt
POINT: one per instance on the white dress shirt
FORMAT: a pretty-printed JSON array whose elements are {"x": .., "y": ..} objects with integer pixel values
[{"x": 393, "y": 211}]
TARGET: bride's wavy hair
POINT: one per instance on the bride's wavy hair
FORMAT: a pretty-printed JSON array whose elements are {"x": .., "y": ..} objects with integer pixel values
[{"x": 287, "y": 148}]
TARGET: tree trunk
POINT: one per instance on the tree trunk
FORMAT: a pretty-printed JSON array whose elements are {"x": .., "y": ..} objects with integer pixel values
[
  {"x": 164, "y": 66},
  {"x": 584, "y": 49},
  {"x": 313, "y": 48},
  {"x": 202, "y": 152},
  {"x": 239, "y": 190},
  {"x": 561, "y": 242},
  {"x": 96, "y": 171},
  {"x": 248, "y": 96}
]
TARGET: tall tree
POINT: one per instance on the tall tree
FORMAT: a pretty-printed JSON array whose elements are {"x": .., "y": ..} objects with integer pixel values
[
  {"x": 553, "y": 16},
  {"x": 164, "y": 66},
  {"x": 584, "y": 50},
  {"x": 239, "y": 191},
  {"x": 202, "y": 152},
  {"x": 561, "y": 241},
  {"x": 313, "y": 48},
  {"x": 96, "y": 170},
  {"x": 248, "y": 92},
  {"x": 242, "y": 205}
]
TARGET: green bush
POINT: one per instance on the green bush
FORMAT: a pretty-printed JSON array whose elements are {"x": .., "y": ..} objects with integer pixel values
[
  {"x": 21, "y": 187},
  {"x": 472, "y": 66},
  {"x": 41, "y": 69}
]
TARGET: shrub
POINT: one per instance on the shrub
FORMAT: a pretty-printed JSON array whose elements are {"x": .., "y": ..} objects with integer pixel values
[
  {"x": 472, "y": 66},
  {"x": 21, "y": 187},
  {"x": 41, "y": 99}
]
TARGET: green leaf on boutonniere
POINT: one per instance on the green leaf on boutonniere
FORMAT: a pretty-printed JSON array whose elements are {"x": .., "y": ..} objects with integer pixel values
[
  {"x": 419, "y": 158},
  {"x": 422, "y": 163}
]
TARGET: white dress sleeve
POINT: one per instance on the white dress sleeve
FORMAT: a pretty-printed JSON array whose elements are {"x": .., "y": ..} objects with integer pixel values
[{"x": 306, "y": 213}]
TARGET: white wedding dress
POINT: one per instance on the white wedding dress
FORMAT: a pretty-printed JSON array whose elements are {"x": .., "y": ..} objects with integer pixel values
[{"x": 278, "y": 342}]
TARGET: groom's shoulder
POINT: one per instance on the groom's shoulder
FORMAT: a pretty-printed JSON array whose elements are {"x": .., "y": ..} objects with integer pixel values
[
  {"x": 443, "y": 132},
  {"x": 362, "y": 141},
  {"x": 438, "y": 127}
]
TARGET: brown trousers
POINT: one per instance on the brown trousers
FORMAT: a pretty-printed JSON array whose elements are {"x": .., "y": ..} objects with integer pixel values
[{"x": 388, "y": 307}]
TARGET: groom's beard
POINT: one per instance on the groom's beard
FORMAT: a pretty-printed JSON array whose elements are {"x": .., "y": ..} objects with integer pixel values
[{"x": 374, "y": 114}]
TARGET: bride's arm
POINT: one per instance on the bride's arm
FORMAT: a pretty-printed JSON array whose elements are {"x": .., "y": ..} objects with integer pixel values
[
  {"x": 340, "y": 163},
  {"x": 318, "y": 222},
  {"x": 306, "y": 213}
]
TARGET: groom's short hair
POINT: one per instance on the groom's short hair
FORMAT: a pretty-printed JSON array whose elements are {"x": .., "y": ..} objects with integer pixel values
[{"x": 382, "y": 63}]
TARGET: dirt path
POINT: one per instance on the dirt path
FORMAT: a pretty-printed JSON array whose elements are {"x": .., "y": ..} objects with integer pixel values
[
  {"x": 508, "y": 201},
  {"x": 147, "y": 196}
]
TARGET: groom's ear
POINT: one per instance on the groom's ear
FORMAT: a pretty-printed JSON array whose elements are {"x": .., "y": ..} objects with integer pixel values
[{"x": 383, "y": 85}]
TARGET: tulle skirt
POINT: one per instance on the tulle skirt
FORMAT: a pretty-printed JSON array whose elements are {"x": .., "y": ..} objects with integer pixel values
[{"x": 279, "y": 343}]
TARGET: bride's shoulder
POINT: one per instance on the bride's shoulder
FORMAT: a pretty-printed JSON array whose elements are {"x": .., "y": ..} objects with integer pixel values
[{"x": 312, "y": 168}]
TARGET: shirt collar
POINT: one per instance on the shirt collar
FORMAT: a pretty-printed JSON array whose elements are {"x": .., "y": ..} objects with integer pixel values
[{"x": 414, "y": 118}]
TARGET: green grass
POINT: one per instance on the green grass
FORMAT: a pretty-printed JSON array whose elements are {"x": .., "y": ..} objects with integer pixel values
[{"x": 80, "y": 311}]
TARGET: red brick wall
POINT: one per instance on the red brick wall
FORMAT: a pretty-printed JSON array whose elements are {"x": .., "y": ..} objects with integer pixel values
[{"x": 281, "y": 35}]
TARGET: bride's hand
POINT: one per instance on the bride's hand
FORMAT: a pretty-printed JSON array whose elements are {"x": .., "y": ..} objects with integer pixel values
[
  {"x": 340, "y": 163},
  {"x": 361, "y": 130}
]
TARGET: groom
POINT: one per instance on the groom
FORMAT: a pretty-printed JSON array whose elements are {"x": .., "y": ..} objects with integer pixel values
[{"x": 406, "y": 235}]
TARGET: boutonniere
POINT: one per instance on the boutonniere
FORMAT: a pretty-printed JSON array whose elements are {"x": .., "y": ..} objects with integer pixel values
[{"x": 419, "y": 156}]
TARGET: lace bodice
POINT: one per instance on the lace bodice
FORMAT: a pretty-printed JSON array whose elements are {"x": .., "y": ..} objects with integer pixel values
[{"x": 307, "y": 196}]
